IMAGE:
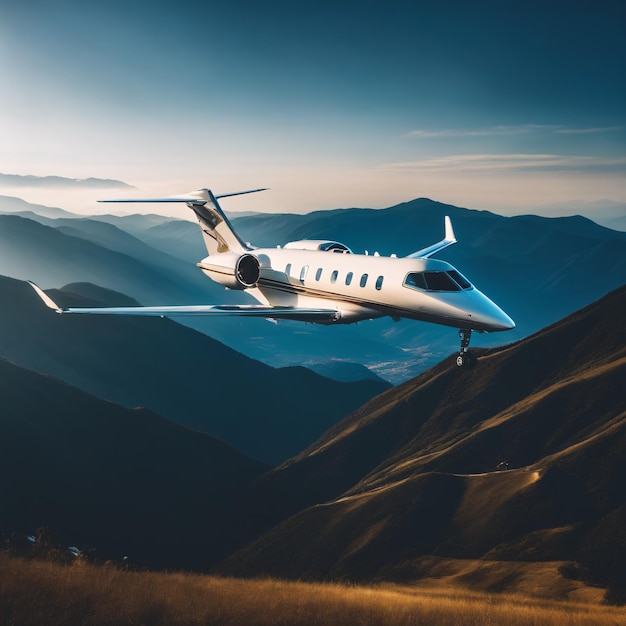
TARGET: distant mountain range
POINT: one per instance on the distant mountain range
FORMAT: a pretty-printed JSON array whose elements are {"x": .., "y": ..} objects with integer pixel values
[
  {"x": 605, "y": 212},
  {"x": 537, "y": 269},
  {"x": 410, "y": 480},
  {"x": 267, "y": 413},
  {"x": 16, "y": 180},
  {"x": 54, "y": 252},
  {"x": 10, "y": 204}
]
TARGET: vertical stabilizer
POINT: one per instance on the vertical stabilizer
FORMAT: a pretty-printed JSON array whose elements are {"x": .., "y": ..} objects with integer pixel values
[{"x": 217, "y": 231}]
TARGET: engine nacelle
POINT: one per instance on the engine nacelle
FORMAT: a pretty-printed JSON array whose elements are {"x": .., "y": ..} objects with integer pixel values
[{"x": 232, "y": 270}]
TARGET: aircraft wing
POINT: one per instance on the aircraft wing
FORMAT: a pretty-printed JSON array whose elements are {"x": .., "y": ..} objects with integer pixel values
[
  {"x": 448, "y": 240},
  {"x": 247, "y": 310}
]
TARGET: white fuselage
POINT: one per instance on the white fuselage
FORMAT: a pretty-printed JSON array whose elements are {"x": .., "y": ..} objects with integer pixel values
[{"x": 363, "y": 287}]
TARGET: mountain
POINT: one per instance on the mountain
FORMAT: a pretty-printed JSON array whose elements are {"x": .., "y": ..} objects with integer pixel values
[
  {"x": 125, "y": 482},
  {"x": 538, "y": 269},
  {"x": 267, "y": 413},
  {"x": 30, "y": 250},
  {"x": 176, "y": 237},
  {"x": 137, "y": 223},
  {"x": 16, "y": 180},
  {"x": 344, "y": 371},
  {"x": 600, "y": 211},
  {"x": 10, "y": 204},
  {"x": 58, "y": 251},
  {"x": 410, "y": 478},
  {"x": 55, "y": 252},
  {"x": 616, "y": 223},
  {"x": 512, "y": 259}
]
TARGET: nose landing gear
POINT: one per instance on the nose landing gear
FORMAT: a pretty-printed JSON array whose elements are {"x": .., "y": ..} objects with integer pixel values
[{"x": 464, "y": 358}]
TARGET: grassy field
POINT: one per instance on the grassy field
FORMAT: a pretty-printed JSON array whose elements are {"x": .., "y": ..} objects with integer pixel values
[{"x": 39, "y": 592}]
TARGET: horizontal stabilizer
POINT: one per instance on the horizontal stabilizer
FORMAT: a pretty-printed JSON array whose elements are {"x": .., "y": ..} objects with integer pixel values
[
  {"x": 190, "y": 198},
  {"x": 241, "y": 310}
]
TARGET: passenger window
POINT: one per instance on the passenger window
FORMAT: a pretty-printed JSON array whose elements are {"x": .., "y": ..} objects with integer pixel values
[
  {"x": 379, "y": 282},
  {"x": 363, "y": 280},
  {"x": 303, "y": 273},
  {"x": 333, "y": 276},
  {"x": 349, "y": 276},
  {"x": 318, "y": 274}
]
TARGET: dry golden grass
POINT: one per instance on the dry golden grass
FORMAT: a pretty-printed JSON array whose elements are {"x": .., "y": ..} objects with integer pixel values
[{"x": 46, "y": 593}]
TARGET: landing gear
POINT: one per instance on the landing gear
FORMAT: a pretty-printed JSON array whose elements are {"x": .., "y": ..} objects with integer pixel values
[{"x": 464, "y": 358}]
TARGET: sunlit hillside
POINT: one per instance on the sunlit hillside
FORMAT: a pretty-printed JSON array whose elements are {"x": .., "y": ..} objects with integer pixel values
[
  {"x": 34, "y": 593},
  {"x": 517, "y": 459}
]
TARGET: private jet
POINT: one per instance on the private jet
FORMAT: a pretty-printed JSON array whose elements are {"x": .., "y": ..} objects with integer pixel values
[{"x": 323, "y": 281}]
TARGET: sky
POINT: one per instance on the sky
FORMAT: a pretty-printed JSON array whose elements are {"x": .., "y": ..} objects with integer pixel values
[{"x": 511, "y": 107}]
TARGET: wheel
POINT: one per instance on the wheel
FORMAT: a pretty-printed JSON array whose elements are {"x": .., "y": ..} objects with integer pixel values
[{"x": 465, "y": 359}]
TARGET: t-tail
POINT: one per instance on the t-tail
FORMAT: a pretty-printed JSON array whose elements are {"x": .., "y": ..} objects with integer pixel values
[{"x": 217, "y": 231}]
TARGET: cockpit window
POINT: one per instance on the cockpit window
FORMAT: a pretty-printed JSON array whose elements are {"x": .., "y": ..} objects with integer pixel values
[
  {"x": 437, "y": 281},
  {"x": 440, "y": 281},
  {"x": 415, "y": 280},
  {"x": 460, "y": 279}
]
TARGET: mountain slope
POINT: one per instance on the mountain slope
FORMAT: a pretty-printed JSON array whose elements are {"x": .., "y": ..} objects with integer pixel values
[
  {"x": 11, "y": 204},
  {"x": 183, "y": 375},
  {"x": 83, "y": 250},
  {"x": 412, "y": 472},
  {"x": 126, "y": 482}
]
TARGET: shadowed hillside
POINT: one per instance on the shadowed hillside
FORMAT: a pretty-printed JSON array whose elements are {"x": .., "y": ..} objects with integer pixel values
[
  {"x": 267, "y": 413},
  {"x": 126, "y": 482},
  {"x": 412, "y": 472}
]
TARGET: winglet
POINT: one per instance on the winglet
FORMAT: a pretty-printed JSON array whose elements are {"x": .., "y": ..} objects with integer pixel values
[
  {"x": 448, "y": 239},
  {"x": 449, "y": 236},
  {"x": 47, "y": 300}
]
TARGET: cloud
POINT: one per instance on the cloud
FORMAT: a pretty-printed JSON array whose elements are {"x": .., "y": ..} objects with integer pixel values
[
  {"x": 510, "y": 162},
  {"x": 507, "y": 131},
  {"x": 586, "y": 131}
]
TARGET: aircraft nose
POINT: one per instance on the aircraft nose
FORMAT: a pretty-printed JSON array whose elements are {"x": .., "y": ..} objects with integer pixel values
[{"x": 490, "y": 314}]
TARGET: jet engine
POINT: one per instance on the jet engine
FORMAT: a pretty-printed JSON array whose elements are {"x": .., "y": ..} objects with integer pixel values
[{"x": 232, "y": 270}]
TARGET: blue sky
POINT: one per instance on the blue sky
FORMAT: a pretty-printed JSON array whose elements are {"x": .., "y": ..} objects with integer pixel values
[{"x": 331, "y": 104}]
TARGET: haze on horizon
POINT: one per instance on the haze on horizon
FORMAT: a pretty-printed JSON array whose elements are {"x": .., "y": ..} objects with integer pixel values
[{"x": 483, "y": 105}]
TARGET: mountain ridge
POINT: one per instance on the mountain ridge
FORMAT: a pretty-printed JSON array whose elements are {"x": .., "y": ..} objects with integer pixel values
[
  {"x": 412, "y": 474},
  {"x": 18, "y": 180},
  {"x": 537, "y": 269}
]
